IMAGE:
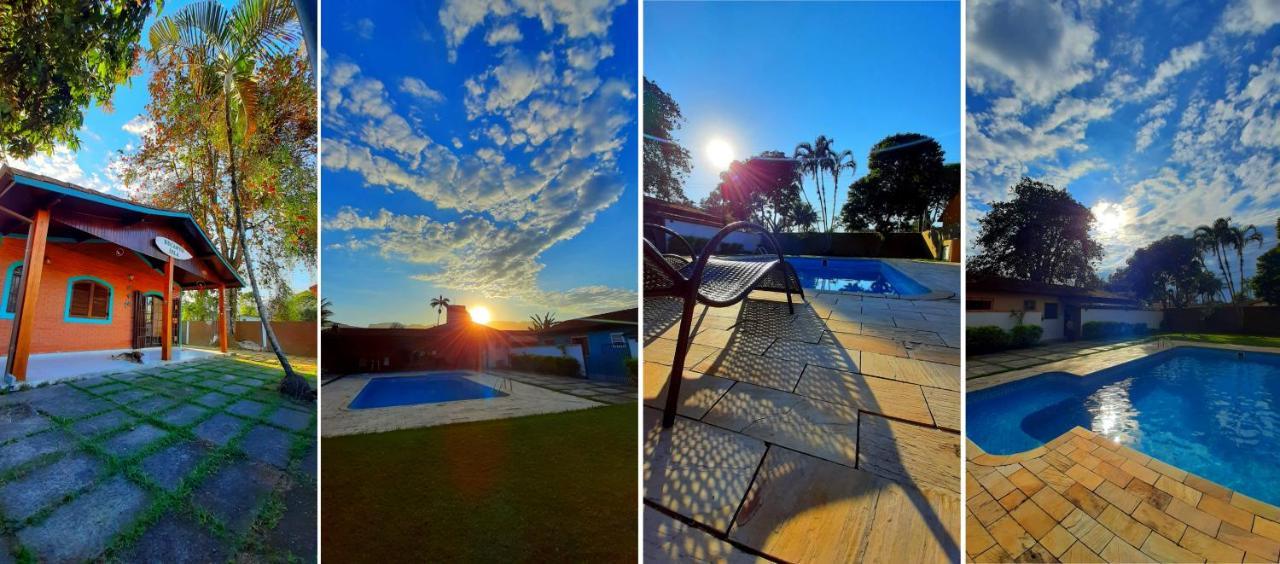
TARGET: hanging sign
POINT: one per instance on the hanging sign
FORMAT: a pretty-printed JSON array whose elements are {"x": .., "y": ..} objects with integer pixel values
[{"x": 172, "y": 248}]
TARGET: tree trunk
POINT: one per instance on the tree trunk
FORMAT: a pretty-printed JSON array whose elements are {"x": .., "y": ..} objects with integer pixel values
[{"x": 291, "y": 385}]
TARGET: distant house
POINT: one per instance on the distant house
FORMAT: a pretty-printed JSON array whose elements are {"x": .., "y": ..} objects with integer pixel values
[
  {"x": 1060, "y": 310},
  {"x": 605, "y": 342},
  {"x": 457, "y": 344}
]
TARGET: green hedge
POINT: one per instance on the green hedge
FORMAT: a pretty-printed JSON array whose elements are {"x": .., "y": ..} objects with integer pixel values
[
  {"x": 989, "y": 338},
  {"x": 554, "y": 365},
  {"x": 1114, "y": 329},
  {"x": 1023, "y": 336},
  {"x": 985, "y": 339},
  {"x": 633, "y": 367}
]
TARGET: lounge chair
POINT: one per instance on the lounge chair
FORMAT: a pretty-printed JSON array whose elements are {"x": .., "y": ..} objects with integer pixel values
[{"x": 715, "y": 281}]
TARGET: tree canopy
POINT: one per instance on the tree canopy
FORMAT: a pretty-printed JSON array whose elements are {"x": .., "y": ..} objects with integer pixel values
[
  {"x": 666, "y": 163},
  {"x": 764, "y": 189},
  {"x": 907, "y": 185},
  {"x": 1169, "y": 272},
  {"x": 57, "y": 58},
  {"x": 1266, "y": 282},
  {"x": 1041, "y": 235}
]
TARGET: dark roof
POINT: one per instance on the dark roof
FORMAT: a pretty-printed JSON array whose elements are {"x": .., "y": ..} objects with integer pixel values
[
  {"x": 981, "y": 283},
  {"x": 654, "y": 207},
  {"x": 88, "y": 203},
  {"x": 614, "y": 320}
]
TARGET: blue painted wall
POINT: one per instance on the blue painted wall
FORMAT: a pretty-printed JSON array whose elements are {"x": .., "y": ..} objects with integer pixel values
[{"x": 604, "y": 361}]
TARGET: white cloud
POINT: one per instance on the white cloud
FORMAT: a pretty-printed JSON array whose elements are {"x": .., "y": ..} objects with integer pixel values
[
  {"x": 578, "y": 18},
  {"x": 139, "y": 125},
  {"x": 1034, "y": 48},
  {"x": 509, "y": 33},
  {"x": 63, "y": 164},
  {"x": 1251, "y": 16},
  {"x": 419, "y": 89},
  {"x": 363, "y": 28},
  {"x": 1180, "y": 60},
  {"x": 1155, "y": 116}
]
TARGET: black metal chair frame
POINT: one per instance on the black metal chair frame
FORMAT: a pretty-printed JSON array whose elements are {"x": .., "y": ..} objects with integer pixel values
[{"x": 687, "y": 288}]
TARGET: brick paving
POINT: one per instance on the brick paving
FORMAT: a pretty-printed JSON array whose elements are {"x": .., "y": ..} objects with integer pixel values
[
  {"x": 827, "y": 435},
  {"x": 1083, "y": 498},
  {"x": 159, "y": 465}
]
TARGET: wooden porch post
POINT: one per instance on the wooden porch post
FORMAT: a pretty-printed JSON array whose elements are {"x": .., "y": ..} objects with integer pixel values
[
  {"x": 222, "y": 317},
  {"x": 166, "y": 345},
  {"x": 25, "y": 313}
]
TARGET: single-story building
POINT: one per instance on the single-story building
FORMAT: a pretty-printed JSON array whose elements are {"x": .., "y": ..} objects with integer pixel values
[
  {"x": 85, "y": 271},
  {"x": 459, "y": 343},
  {"x": 1060, "y": 310},
  {"x": 605, "y": 341}
]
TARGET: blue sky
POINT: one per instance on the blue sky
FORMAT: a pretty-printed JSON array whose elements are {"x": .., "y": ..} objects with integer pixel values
[
  {"x": 482, "y": 150},
  {"x": 106, "y": 133},
  {"x": 1158, "y": 115},
  {"x": 766, "y": 76}
]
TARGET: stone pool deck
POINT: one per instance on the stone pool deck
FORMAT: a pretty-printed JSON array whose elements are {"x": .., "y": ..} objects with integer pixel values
[
  {"x": 1083, "y": 498},
  {"x": 528, "y": 394},
  {"x": 979, "y": 367},
  {"x": 825, "y": 436},
  {"x": 197, "y": 462}
]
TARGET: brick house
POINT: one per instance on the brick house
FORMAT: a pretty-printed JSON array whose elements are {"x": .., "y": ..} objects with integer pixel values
[{"x": 87, "y": 271}]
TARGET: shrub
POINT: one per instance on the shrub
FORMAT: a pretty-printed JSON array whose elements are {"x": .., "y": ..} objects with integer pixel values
[
  {"x": 633, "y": 367},
  {"x": 1023, "y": 336},
  {"x": 540, "y": 364},
  {"x": 1113, "y": 329},
  {"x": 985, "y": 339}
]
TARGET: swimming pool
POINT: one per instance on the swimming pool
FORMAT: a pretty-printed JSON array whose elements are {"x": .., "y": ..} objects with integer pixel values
[
  {"x": 1207, "y": 411},
  {"x": 854, "y": 275},
  {"x": 413, "y": 390}
]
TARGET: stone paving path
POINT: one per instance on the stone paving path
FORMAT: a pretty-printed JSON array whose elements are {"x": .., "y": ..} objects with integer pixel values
[
  {"x": 193, "y": 463},
  {"x": 1082, "y": 498},
  {"x": 605, "y": 392},
  {"x": 828, "y": 435},
  {"x": 978, "y": 366}
]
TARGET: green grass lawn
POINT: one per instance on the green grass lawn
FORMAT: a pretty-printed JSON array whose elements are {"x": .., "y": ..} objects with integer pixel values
[
  {"x": 558, "y": 487},
  {"x": 1247, "y": 340}
]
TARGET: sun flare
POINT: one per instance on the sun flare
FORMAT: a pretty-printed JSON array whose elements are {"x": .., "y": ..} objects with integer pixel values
[
  {"x": 480, "y": 314},
  {"x": 1110, "y": 218},
  {"x": 720, "y": 153}
]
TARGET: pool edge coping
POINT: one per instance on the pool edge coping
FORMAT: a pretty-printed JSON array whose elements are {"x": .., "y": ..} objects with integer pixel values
[{"x": 1002, "y": 378}]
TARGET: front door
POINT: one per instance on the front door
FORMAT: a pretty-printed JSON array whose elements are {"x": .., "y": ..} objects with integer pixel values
[
  {"x": 1071, "y": 321},
  {"x": 148, "y": 320}
]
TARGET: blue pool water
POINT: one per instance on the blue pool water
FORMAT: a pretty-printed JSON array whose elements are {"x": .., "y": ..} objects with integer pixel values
[
  {"x": 854, "y": 275},
  {"x": 1203, "y": 410},
  {"x": 413, "y": 390}
]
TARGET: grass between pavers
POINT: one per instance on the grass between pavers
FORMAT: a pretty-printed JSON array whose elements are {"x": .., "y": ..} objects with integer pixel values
[
  {"x": 1105, "y": 346},
  {"x": 198, "y": 378},
  {"x": 554, "y": 487}
]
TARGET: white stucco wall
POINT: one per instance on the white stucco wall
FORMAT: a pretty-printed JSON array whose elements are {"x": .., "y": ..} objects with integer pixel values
[
  {"x": 749, "y": 239},
  {"x": 1000, "y": 319},
  {"x": 1151, "y": 317}
]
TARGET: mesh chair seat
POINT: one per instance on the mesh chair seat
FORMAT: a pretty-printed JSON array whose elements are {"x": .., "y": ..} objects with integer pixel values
[{"x": 728, "y": 280}]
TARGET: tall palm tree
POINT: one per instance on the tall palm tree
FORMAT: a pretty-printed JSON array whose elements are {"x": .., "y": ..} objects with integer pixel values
[
  {"x": 542, "y": 323},
  {"x": 840, "y": 160},
  {"x": 439, "y": 304},
  {"x": 221, "y": 50},
  {"x": 815, "y": 159},
  {"x": 1216, "y": 237},
  {"x": 1240, "y": 237}
]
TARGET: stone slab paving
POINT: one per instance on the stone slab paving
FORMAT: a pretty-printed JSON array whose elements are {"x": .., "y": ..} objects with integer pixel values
[
  {"x": 980, "y": 366},
  {"x": 135, "y": 467},
  {"x": 1083, "y": 498},
  {"x": 824, "y": 436}
]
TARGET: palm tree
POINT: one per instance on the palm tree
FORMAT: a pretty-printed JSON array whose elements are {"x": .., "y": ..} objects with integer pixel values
[
  {"x": 1240, "y": 237},
  {"x": 839, "y": 161},
  {"x": 221, "y": 49},
  {"x": 439, "y": 304},
  {"x": 542, "y": 323},
  {"x": 326, "y": 311},
  {"x": 1214, "y": 237},
  {"x": 815, "y": 159}
]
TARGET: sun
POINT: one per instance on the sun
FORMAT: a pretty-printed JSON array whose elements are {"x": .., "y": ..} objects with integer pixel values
[
  {"x": 720, "y": 153},
  {"x": 1110, "y": 218},
  {"x": 480, "y": 314}
]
